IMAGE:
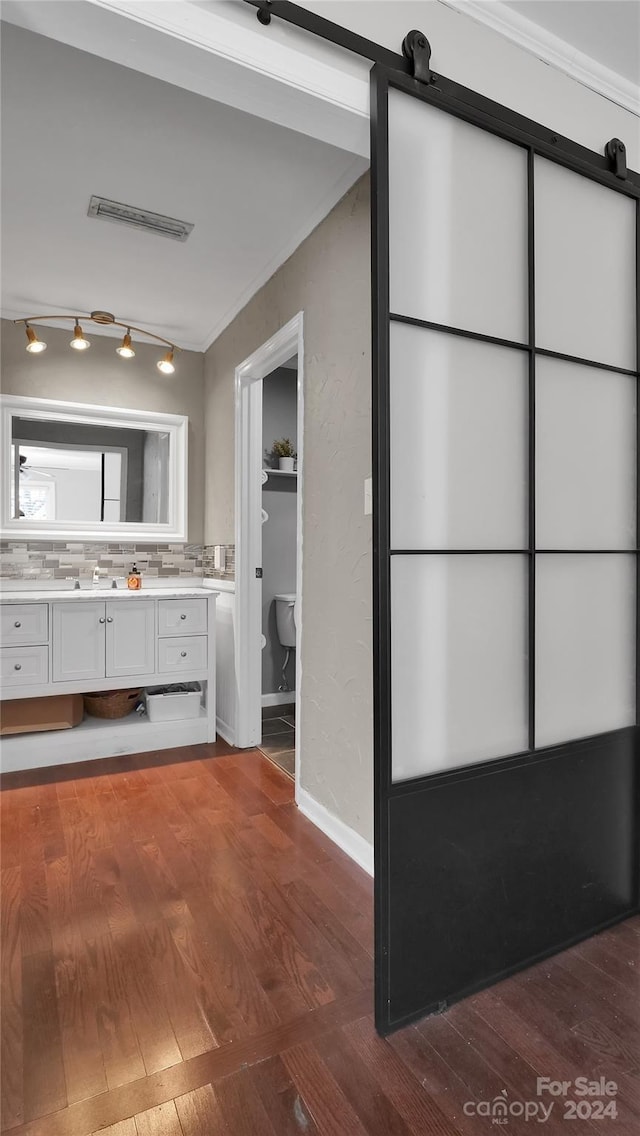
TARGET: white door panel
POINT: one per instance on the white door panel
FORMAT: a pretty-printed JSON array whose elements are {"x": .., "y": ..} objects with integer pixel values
[
  {"x": 130, "y": 643},
  {"x": 457, "y": 222},
  {"x": 78, "y": 641}
]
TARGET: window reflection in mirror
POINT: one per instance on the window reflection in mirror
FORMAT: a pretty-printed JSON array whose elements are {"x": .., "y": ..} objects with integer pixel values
[{"x": 77, "y": 472}]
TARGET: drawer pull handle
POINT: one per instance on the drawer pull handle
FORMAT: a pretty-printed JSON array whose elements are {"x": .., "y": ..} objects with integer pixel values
[
  {"x": 102, "y": 619},
  {"x": 183, "y": 617},
  {"x": 183, "y": 654},
  {"x": 17, "y": 623},
  {"x": 109, "y": 619},
  {"x": 17, "y": 667}
]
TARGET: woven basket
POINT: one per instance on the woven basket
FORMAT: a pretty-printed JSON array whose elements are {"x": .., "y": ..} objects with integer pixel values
[{"x": 111, "y": 703}]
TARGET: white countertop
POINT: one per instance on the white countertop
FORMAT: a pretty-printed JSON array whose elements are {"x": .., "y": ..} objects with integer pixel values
[{"x": 36, "y": 595}]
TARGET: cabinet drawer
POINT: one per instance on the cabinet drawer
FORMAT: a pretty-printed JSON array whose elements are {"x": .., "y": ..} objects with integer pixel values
[
  {"x": 188, "y": 654},
  {"x": 24, "y": 623},
  {"x": 24, "y": 666},
  {"x": 182, "y": 617}
]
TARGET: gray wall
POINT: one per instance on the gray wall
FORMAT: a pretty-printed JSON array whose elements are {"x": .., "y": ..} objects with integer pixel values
[
  {"x": 279, "y": 498},
  {"x": 328, "y": 277},
  {"x": 102, "y": 378}
]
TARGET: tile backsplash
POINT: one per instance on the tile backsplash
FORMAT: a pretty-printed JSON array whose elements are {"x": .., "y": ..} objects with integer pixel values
[
  {"x": 60, "y": 560},
  {"x": 230, "y": 562}
]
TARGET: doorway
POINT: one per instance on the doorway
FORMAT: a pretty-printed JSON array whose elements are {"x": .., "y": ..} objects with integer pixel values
[
  {"x": 279, "y": 557},
  {"x": 269, "y": 547}
]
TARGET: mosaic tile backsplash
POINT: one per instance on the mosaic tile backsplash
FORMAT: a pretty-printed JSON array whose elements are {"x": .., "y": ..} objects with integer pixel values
[
  {"x": 230, "y": 562},
  {"x": 61, "y": 560}
]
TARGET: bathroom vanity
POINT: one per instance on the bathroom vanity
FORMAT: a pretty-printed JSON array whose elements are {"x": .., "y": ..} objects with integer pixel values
[
  {"x": 114, "y": 480},
  {"x": 76, "y": 641}
]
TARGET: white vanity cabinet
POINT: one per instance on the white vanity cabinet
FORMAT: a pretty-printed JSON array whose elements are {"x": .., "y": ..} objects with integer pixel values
[
  {"x": 78, "y": 641},
  {"x": 131, "y": 638},
  {"x": 75, "y": 643},
  {"x": 103, "y": 640}
]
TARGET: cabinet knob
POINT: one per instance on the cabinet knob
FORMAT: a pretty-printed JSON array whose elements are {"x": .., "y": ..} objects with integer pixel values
[
  {"x": 17, "y": 623},
  {"x": 102, "y": 619},
  {"x": 183, "y": 654},
  {"x": 183, "y": 617},
  {"x": 17, "y": 667},
  {"x": 109, "y": 619}
]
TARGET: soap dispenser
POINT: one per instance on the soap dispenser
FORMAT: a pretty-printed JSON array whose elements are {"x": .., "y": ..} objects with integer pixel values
[{"x": 134, "y": 579}]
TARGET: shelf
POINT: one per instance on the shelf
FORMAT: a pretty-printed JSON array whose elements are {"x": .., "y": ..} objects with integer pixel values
[
  {"x": 281, "y": 472},
  {"x": 100, "y": 737},
  {"x": 135, "y": 721}
]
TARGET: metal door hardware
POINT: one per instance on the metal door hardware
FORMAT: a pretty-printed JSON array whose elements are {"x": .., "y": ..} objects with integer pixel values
[
  {"x": 616, "y": 152},
  {"x": 417, "y": 49}
]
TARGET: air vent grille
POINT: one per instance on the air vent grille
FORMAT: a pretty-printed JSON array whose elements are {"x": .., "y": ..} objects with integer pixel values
[{"x": 139, "y": 218}]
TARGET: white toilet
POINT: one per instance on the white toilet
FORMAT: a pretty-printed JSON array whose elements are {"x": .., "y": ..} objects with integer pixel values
[
  {"x": 286, "y": 619},
  {"x": 286, "y": 625}
]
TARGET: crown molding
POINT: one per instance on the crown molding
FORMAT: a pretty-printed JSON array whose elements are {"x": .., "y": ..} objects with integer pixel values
[{"x": 550, "y": 48}]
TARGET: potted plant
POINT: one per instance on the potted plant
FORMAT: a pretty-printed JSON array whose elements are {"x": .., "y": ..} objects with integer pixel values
[{"x": 284, "y": 451}]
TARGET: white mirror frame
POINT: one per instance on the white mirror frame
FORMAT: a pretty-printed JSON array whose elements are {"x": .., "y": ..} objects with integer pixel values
[{"x": 176, "y": 425}]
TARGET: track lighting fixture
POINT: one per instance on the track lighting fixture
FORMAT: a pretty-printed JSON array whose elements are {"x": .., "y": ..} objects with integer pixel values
[
  {"x": 34, "y": 345},
  {"x": 80, "y": 343},
  {"x": 166, "y": 364},
  {"x": 125, "y": 350}
]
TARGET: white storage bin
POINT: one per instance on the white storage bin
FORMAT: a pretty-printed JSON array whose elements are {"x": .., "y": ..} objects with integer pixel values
[{"x": 173, "y": 704}]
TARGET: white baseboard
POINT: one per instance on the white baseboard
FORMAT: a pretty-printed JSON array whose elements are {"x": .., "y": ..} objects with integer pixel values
[
  {"x": 225, "y": 731},
  {"x": 346, "y": 838},
  {"x": 280, "y": 698}
]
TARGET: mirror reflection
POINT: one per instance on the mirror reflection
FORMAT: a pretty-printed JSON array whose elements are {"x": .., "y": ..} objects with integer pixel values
[{"x": 69, "y": 471}]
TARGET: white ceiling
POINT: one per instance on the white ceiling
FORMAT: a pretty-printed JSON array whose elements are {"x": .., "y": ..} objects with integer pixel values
[
  {"x": 74, "y": 125},
  {"x": 43, "y": 457},
  {"x": 605, "y": 30}
]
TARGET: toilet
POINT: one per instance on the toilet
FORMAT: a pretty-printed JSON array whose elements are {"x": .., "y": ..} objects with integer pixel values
[
  {"x": 286, "y": 625},
  {"x": 286, "y": 619}
]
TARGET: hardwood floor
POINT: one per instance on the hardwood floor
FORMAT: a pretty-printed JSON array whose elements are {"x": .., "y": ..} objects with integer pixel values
[{"x": 184, "y": 954}]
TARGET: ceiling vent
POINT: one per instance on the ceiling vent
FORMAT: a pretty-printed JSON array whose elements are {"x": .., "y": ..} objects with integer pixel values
[{"x": 139, "y": 218}]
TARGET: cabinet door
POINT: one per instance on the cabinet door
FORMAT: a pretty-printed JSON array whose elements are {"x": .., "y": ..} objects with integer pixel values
[
  {"x": 130, "y": 637},
  {"x": 78, "y": 640}
]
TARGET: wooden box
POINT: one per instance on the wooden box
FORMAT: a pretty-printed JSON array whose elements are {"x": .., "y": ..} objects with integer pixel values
[{"x": 33, "y": 715}]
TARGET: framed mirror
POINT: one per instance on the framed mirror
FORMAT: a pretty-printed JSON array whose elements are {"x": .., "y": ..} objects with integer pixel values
[{"x": 71, "y": 470}]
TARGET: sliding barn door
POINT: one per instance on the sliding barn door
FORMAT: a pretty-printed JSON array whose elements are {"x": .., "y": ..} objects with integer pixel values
[{"x": 505, "y": 405}]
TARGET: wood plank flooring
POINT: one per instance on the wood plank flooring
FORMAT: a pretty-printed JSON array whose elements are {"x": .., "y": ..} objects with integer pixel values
[{"x": 184, "y": 954}]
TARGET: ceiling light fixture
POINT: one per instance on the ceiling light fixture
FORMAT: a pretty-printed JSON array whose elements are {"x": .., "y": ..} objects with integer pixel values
[
  {"x": 166, "y": 364},
  {"x": 80, "y": 343},
  {"x": 34, "y": 345},
  {"x": 125, "y": 350}
]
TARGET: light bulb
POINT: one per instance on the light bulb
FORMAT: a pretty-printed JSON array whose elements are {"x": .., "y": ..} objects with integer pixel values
[
  {"x": 166, "y": 364},
  {"x": 34, "y": 345},
  {"x": 79, "y": 343},
  {"x": 125, "y": 349}
]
